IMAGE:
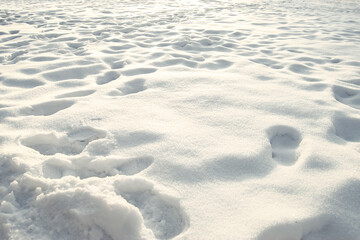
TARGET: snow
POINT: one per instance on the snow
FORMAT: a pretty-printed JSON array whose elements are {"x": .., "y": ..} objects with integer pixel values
[{"x": 180, "y": 119}]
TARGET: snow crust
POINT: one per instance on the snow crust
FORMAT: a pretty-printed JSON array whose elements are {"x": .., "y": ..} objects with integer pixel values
[{"x": 182, "y": 119}]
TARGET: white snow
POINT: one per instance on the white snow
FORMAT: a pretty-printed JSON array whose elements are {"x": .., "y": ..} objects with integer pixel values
[{"x": 164, "y": 119}]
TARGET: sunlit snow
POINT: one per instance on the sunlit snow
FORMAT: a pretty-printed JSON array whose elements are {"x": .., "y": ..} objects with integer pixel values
[{"x": 192, "y": 120}]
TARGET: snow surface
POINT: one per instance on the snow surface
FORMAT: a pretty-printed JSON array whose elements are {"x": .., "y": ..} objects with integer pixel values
[{"x": 180, "y": 119}]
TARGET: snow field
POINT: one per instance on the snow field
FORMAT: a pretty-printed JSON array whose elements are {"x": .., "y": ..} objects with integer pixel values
[{"x": 179, "y": 120}]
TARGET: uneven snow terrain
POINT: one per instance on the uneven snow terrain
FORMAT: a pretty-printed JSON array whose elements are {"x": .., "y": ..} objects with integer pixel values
[{"x": 180, "y": 119}]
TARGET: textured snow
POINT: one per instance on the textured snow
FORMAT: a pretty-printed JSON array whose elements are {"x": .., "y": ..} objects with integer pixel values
[{"x": 127, "y": 120}]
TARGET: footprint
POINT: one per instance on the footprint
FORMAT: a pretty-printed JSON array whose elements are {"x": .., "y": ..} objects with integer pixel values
[
  {"x": 135, "y": 165},
  {"x": 85, "y": 167},
  {"x": 13, "y": 57},
  {"x": 114, "y": 63},
  {"x": 56, "y": 168},
  {"x": 81, "y": 93},
  {"x": 353, "y": 63},
  {"x": 85, "y": 213},
  {"x": 217, "y": 65},
  {"x": 134, "y": 86},
  {"x": 311, "y": 79},
  {"x": 53, "y": 35},
  {"x": 64, "y": 39},
  {"x": 122, "y": 47},
  {"x": 100, "y": 32},
  {"x": 47, "y": 108},
  {"x": 355, "y": 82},
  {"x": 347, "y": 128},
  {"x": 335, "y": 60},
  {"x": 175, "y": 61},
  {"x": 315, "y": 87},
  {"x": 43, "y": 59},
  {"x": 139, "y": 71},
  {"x": 284, "y": 141},
  {"x": 71, "y": 144},
  {"x": 30, "y": 71},
  {"x": 14, "y": 31},
  {"x": 72, "y": 83},
  {"x": 310, "y": 59},
  {"x": 265, "y": 78},
  {"x": 161, "y": 213},
  {"x": 75, "y": 45},
  {"x": 347, "y": 96},
  {"x": 21, "y": 83},
  {"x": 268, "y": 62},
  {"x": 107, "y": 77},
  {"x": 50, "y": 144},
  {"x": 118, "y": 64},
  {"x": 300, "y": 69},
  {"x": 103, "y": 167},
  {"x": 18, "y": 44},
  {"x": 73, "y": 73}
]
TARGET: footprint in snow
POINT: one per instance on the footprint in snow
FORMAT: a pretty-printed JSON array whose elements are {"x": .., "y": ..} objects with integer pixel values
[
  {"x": 134, "y": 86},
  {"x": 76, "y": 94},
  {"x": 161, "y": 213},
  {"x": 348, "y": 96},
  {"x": 47, "y": 108},
  {"x": 71, "y": 144},
  {"x": 284, "y": 141},
  {"x": 300, "y": 69},
  {"x": 21, "y": 83},
  {"x": 101, "y": 167},
  {"x": 347, "y": 128},
  {"x": 73, "y": 72},
  {"x": 130, "y": 87},
  {"x": 138, "y": 71},
  {"x": 107, "y": 77}
]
